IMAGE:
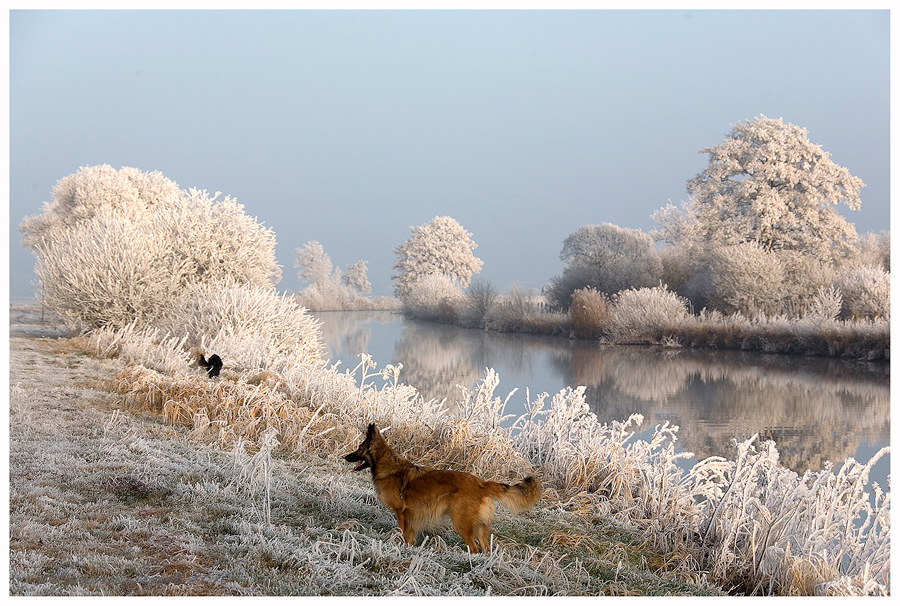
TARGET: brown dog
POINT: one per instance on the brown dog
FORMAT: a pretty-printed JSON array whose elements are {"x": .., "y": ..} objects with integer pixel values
[{"x": 422, "y": 496}]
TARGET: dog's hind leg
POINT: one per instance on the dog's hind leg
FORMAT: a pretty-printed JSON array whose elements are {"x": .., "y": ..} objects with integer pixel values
[
  {"x": 483, "y": 523},
  {"x": 484, "y": 537},
  {"x": 461, "y": 514}
]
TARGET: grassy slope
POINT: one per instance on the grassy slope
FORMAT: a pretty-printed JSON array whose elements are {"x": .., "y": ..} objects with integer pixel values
[{"x": 116, "y": 502}]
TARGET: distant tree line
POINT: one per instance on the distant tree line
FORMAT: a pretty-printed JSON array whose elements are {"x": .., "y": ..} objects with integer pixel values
[{"x": 759, "y": 238}]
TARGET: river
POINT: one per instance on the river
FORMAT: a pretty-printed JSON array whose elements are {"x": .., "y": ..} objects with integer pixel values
[{"x": 815, "y": 409}]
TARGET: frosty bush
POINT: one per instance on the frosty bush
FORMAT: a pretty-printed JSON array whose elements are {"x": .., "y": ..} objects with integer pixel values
[
  {"x": 440, "y": 247},
  {"x": 745, "y": 278},
  {"x": 874, "y": 248},
  {"x": 128, "y": 192},
  {"x": 481, "y": 299},
  {"x": 606, "y": 257},
  {"x": 218, "y": 241},
  {"x": 249, "y": 326},
  {"x": 106, "y": 271},
  {"x": 642, "y": 315},
  {"x": 825, "y": 306},
  {"x": 866, "y": 292},
  {"x": 434, "y": 297},
  {"x": 117, "y": 246},
  {"x": 804, "y": 277}
]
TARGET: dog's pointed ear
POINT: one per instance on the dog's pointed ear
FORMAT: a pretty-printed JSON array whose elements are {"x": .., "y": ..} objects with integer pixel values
[{"x": 373, "y": 430}]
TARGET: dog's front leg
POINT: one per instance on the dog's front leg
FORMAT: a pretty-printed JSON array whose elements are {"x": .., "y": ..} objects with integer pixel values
[{"x": 406, "y": 529}]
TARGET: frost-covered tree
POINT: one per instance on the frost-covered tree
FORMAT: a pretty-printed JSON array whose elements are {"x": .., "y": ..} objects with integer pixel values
[
  {"x": 607, "y": 258},
  {"x": 767, "y": 183},
  {"x": 440, "y": 247},
  {"x": 314, "y": 265},
  {"x": 114, "y": 246},
  {"x": 331, "y": 288},
  {"x": 875, "y": 249},
  {"x": 356, "y": 277}
]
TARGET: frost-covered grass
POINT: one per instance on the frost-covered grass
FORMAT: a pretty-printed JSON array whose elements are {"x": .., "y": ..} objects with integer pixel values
[
  {"x": 112, "y": 501},
  {"x": 746, "y": 524}
]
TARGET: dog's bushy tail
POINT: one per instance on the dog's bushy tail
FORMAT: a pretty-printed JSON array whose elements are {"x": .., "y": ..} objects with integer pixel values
[{"x": 519, "y": 496}]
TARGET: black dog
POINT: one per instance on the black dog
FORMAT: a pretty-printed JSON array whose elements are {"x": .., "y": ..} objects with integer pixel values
[{"x": 212, "y": 366}]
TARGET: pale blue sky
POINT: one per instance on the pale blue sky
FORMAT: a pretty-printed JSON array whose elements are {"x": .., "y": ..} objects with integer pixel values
[{"x": 348, "y": 127}]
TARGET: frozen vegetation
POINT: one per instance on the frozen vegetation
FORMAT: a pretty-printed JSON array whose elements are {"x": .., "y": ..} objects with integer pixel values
[
  {"x": 111, "y": 500},
  {"x": 758, "y": 258},
  {"x": 746, "y": 524},
  {"x": 330, "y": 288},
  {"x": 155, "y": 276}
]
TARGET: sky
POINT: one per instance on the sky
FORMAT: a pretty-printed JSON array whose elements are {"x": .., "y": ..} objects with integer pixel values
[{"x": 348, "y": 127}]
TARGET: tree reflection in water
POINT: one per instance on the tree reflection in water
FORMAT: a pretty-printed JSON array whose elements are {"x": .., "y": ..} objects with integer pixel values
[{"x": 816, "y": 410}]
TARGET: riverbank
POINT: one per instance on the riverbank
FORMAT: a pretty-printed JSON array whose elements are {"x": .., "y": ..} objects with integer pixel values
[
  {"x": 109, "y": 499},
  {"x": 657, "y": 317}
]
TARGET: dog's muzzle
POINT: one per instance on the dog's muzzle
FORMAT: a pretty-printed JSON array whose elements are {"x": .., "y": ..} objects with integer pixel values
[{"x": 353, "y": 458}]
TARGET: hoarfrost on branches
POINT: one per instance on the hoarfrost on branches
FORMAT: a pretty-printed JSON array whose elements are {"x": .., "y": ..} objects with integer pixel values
[
  {"x": 767, "y": 183},
  {"x": 442, "y": 247},
  {"x": 745, "y": 276},
  {"x": 117, "y": 246},
  {"x": 607, "y": 258},
  {"x": 331, "y": 288},
  {"x": 356, "y": 277}
]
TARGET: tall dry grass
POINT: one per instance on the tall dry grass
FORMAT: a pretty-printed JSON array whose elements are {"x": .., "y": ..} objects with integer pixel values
[{"x": 589, "y": 312}]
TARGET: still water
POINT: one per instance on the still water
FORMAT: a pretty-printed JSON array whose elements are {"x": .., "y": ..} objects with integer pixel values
[{"x": 815, "y": 409}]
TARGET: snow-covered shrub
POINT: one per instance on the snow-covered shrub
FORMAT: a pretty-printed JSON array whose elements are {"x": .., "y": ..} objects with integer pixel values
[
  {"x": 745, "y": 278},
  {"x": 218, "y": 241},
  {"x": 523, "y": 310},
  {"x": 866, "y": 291},
  {"x": 606, "y": 257},
  {"x": 825, "y": 306},
  {"x": 117, "y": 246},
  {"x": 441, "y": 247},
  {"x": 107, "y": 271},
  {"x": 144, "y": 346},
  {"x": 250, "y": 327},
  {"x": 128, "y": 192},
  {"x": 677, "y": 263},
  {"x": 481, "y": 299},
  {"x": 642, "y": 315},
  {"x": 805, "y": 277},
  {"x": 433, "y": 297}
]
